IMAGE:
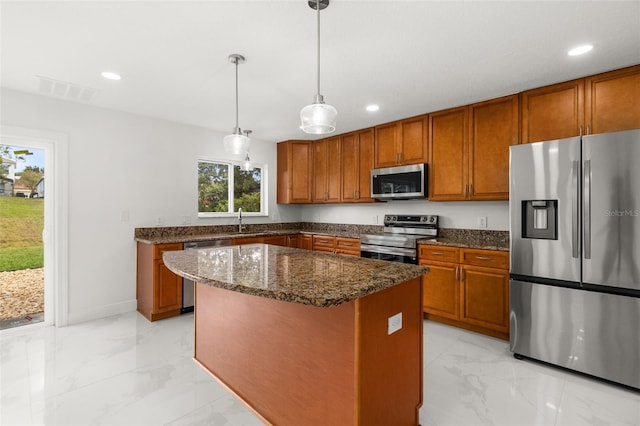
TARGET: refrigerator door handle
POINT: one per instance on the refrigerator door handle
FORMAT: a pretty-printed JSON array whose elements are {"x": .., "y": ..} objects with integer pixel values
[
  {"x": 587, "y": 209},
  {"x": 575, "y": 246}
]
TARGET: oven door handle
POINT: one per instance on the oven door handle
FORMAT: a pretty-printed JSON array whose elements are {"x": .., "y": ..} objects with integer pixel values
[{"x": 397, "y": 251}]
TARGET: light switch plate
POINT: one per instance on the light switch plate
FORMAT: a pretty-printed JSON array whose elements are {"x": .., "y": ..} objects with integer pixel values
[{"x": 394, "y": 323}]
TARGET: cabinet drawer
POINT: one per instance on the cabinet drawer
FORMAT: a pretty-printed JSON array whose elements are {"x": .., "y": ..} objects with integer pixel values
[
  {"x": 158, "y": 249},
  {"x": 348, "y": 244},
  {"x": 323, "y": 243},
  {"x": 487, "y": 258},
  {"x": 439, "y": 253}
]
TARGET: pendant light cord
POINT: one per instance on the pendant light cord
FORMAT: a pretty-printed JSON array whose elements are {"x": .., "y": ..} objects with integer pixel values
[
  {"x": 318, "y": 9},
  {"x": 236, "y": 62}
]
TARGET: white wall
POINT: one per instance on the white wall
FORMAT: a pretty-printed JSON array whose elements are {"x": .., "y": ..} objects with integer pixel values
[
  {"x": 461, "y": 215},
  {"x": 124, "y": 164}
]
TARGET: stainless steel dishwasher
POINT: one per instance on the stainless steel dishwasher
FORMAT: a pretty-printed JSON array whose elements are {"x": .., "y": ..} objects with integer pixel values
[{"x": 187, "y": 284}]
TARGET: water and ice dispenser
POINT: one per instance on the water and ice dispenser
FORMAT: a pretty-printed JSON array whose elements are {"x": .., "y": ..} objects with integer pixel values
[{"x": 540, "y": 219}]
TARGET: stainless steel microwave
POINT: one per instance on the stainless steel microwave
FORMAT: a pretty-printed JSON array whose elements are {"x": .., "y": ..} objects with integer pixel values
[{"x": 399, "y": 183}]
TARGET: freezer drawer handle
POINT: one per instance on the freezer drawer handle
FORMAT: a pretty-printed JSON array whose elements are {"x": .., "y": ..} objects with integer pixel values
[
  {"x": 587, "y": 209},
  {"x": 575, "y": 247}
]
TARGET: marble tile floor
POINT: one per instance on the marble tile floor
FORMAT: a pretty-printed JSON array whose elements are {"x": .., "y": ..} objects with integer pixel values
[{"x": 124, "y": 370}]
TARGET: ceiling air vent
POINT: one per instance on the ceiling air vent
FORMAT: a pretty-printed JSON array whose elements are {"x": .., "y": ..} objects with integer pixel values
[{"x": 62, "y": 89}]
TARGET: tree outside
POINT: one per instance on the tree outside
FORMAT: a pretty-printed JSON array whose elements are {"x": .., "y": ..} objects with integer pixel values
[
  {"x": 213, "y": 188},
  {"x": 30, "y": 177}
]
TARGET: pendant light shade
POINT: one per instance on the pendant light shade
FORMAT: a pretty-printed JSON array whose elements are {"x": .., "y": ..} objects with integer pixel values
[
  {"x": 318, "y": 118},
  {"x": 236, "y": 143}
]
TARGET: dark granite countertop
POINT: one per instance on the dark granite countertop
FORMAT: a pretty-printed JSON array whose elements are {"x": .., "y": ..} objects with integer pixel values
[
  {"x": 185, "y": 234},
  {"x": 467, "y": 238},
  {"x": 289, "y": 274},
  {"x": 471, "y": 238}
]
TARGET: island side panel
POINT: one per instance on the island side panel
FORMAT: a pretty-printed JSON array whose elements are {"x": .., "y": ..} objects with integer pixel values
[
  {"x": 292, "y": 364},
  {"x": 389, "y": 369}
]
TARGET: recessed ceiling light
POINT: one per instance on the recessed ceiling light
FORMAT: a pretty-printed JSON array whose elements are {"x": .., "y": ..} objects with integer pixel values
[
  {"x": 111, "y": 75},
  {"x": 372, "y": 108},
  {"x": 580, "y": 50}
]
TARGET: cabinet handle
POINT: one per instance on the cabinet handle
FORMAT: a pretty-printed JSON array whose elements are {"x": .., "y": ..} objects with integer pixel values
[
  {"x": 347, "y": 244},
  {"x": 356, "y": 195},
  {"x": 457, "y": 273},
  {"x": 438, "y": 253},
  {"x": 470, "y": 190},
  {"x": 462, "y": 274},
  {"x": 579, "y": 130},
  {"x": 588, "y": 130},
  {"x": 483, "y": 258}
]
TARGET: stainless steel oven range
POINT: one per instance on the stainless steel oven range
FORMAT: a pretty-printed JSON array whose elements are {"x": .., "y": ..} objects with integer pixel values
[{"x": 398, "y": 242}]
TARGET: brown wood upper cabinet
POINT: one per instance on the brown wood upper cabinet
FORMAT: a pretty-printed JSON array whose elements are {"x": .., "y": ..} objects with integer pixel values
[
  {"x": 294, "y": 172},
  {"x": 469, "y": 150},
  {"x": 607, "y": 102},
  {"x": 401, "y": 142},
  {"x": 357, "y": 162},
  {"x": 326, "y": 170}
]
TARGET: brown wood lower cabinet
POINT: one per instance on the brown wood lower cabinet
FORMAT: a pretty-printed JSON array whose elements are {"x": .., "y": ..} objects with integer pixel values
[
  {"x": 305, "y": 242},
  {"x": 338, "y": 245},
  {"x": 158, "y": 290},
  {"x": 467, "y": 288}
]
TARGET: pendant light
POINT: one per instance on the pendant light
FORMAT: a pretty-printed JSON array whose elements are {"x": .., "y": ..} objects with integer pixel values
[
  {"x": 246, "y": 166},
  {"x": 236, "y": 143},
  {"x": 318, "y": 118}
]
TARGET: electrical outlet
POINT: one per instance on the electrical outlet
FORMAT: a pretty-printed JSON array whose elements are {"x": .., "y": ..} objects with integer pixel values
[
  {"x": 160, "y": 221},
  {"x": 394, "y": 323},
  {"x": 482, "y": 221}
]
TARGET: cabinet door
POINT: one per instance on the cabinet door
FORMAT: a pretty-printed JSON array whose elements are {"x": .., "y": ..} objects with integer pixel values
[
  {"x": 294, "y": 172},
  {"x": 357, "y": 162},
  {"x": 485, "y": 297},
  {"x": 441, "y": 290},
  {"x": 365, "y": 164},
  {"x": 350, "y": 163},
  {"x": 168, "y": 289},
  {"x": 613, "y": 101},
  {"x": 320, "y": 159},
  {"x": 494, "y": 127},
  {"x": 386, "y": 150},
  {"x": 413, "y": 141},
  {"x": 326, "y": 170},
  {"x": 552, "y": 112},
  {"x": 276, "y": 240},
  {"x": 306, "y": 242},
  {"x": 334, "y": 170},
  {"x": 448, "y": 159},
  {"x": 247, "y": 240},
  {"x": 293, "y": 240}
]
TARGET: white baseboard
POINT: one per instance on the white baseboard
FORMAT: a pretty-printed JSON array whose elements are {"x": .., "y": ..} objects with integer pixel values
[{"x": 102, "y": 312}]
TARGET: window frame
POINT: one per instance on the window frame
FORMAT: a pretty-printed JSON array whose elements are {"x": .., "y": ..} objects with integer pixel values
[{"x": 264, "y": 205}]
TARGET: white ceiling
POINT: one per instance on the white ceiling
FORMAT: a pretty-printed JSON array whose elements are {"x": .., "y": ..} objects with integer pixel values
[{"x": 410, "y": 57}]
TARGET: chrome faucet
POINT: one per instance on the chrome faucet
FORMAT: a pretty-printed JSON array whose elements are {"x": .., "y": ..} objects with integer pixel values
[{"x": 240, "y": 219}]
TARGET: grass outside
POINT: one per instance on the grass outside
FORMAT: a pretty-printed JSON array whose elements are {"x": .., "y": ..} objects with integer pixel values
[{"x": 21, "y": 224}]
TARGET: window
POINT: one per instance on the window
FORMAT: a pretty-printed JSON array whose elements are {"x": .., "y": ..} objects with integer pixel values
[{"x": 223, "y": 188}]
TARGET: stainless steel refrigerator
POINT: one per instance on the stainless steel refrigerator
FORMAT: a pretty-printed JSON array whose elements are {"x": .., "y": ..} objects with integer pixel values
[{"x": 575, "y": 254}]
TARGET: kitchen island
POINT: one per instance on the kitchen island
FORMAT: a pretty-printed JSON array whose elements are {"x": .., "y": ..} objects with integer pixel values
[{"x": 309, "y": 338}]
